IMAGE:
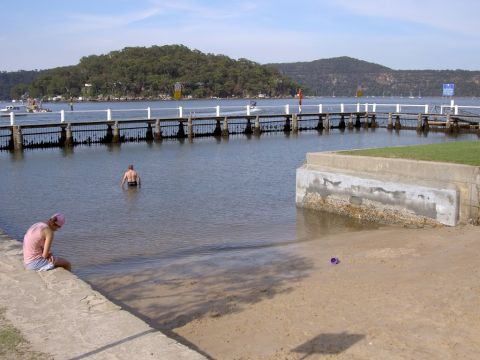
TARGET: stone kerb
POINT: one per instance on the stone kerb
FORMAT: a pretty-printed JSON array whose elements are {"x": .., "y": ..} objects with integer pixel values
[
  {"x": 390, "y": 190},
  {"x": 61, "y": 315}
]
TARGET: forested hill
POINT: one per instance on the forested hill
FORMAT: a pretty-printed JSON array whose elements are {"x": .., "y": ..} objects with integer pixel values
[
  {"x": 343, "y": 76},
  {"x": 139, "y": 72},
  {"x": 150, "y": 73},
  {"x": 8, "y": 80}
]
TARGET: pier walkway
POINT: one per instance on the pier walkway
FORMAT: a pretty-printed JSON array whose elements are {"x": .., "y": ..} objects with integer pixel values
[
  {"x": 62, "y": 316},
  {"x": 52, "y": 130}
]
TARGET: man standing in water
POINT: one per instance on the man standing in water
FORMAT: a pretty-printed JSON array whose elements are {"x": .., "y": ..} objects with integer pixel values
[{"x": 131, "y": 177}]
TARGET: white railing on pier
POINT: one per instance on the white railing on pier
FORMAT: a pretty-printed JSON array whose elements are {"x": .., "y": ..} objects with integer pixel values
[{"x": 247, "y": 110}]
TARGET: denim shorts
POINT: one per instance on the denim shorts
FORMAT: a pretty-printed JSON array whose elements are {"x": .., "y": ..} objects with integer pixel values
[{"x": 40, "y": 264}]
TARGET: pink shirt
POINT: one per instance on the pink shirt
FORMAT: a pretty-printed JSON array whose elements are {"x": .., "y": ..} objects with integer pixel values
[{"x": 33, "y": 242}]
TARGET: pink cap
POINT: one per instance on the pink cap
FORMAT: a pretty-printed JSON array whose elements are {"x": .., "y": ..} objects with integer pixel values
[{"x": 58, "y": 218}]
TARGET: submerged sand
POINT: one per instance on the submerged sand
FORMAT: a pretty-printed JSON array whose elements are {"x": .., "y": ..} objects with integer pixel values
[{"x": 397, "y": 293}]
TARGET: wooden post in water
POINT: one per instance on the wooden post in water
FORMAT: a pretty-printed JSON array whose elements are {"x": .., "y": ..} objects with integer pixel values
[
  {"x": 63, "y": 136},
  {"x": 320, "y": 123},
  {"x": 190, "y": 127},
  {"x": 419, "y": 123},
  {"x": 225, "y": 132},
  {"x": 389, "y": 122},
  {"x": 248, "y": 128},
  {"x": 294, "y": 123},
  {"x": 181, "y": 130},
  {"x": 258, "y": 129},
  {"x": 17, "y": 137},
  {"x": 448, "y": 124},
  {"x": 373, "y": 123},
  {"x": 158, "y": 131},
  {"x": 398, "y": 125},
  {"x": 286, "y": 127},
  {"x": 455, "y": 126},
  {"x": 69, "y": 136},
  {"x": 365, "y": 123},
  {"x": 350, "y": 122},
  {"x": 218, "y": 129},
  {"x": 341, "y": 124},
  {"x": 326, "y": 122},
  {"x": 358, "y": 124},
  {"x": 426, "y": 126},
  {"x": 149, "y": 133},
  {"x": 116, "y": 133}
]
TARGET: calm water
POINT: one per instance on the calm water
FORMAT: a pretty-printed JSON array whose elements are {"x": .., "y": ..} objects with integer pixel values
[
  {"x": 211, "y": 209},
  {"x": 212, "y": 202},
  {"x": 200, "y": 199}
]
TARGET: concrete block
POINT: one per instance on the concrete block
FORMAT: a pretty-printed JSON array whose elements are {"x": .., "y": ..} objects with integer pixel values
[{"x": 368, "y": 196}]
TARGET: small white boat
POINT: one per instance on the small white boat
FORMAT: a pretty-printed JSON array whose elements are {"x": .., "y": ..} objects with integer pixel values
[
  {"x": 10, "y": 108},
  {"x": 17, "y": 110}
]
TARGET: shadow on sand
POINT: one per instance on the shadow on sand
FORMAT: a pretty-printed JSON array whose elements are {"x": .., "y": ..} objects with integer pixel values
[
  {"x": 328, "y": 344},
  {"x": 167, "y": 298}
]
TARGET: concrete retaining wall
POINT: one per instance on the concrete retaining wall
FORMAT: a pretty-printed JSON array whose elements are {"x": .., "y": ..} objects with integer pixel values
[{"x": 390, "y": 190}]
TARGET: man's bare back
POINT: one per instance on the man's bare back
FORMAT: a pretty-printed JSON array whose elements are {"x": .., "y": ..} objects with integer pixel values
[{"x": 131, "y": 177}]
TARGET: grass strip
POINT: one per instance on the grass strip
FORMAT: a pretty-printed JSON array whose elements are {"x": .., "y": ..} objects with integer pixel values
[
  {"x": 12, "y": 344},
  {"x": 458, "y": 152}
]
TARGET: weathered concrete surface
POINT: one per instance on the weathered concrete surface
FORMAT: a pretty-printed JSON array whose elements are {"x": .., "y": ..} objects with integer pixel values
[
  {"x": 390, "y": 190},
  {"x": 61, "y": 315}
]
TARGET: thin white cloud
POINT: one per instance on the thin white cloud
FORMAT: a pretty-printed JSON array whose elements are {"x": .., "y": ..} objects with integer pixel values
[
  {"x": 227, "y": 10},
  {"x": 180, "y": 11},
  {"x": 458, "y": 16},
  {"x": 96, "y": 22}
]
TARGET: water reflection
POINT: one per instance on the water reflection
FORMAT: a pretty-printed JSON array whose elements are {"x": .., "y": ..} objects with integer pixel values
[
  {"x": 67, "y": 151},
  {"x": 16, "y": 155},
  {"x": 213, "y": 197},
  {"x": 314, "y": 224},
  {"x": 131, "y": 195}
]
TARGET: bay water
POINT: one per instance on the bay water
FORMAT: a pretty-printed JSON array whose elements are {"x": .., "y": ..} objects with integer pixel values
[{"x": 203, "y": 205}]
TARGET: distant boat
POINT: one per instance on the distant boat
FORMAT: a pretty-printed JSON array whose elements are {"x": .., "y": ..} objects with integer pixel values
[
  {"x": 11, "y": 108},
  {"x": 34, "y": 106}
]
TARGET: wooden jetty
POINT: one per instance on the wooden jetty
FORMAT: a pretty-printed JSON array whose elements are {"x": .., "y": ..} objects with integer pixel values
[{"x": 67, "y": 134}]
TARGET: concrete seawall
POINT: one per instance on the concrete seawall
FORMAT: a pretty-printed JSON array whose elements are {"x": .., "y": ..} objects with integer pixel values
[
  {"x": 390, "y": 190},
  {"x": 61, "y": 315}
]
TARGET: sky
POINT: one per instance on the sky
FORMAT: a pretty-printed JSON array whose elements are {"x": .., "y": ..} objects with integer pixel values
[{"x": 399, "y": 34}]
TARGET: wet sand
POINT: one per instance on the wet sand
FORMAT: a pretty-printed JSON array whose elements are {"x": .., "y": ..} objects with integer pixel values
[{"x": 397, "y": 293}]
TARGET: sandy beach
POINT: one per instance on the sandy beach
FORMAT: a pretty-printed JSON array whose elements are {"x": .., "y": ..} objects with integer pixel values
[{"x": 397, "y": 293}]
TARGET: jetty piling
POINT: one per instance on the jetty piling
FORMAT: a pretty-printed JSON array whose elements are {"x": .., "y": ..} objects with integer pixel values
[
  {"x": 326, "y": 122},
  {"x": 149, "y": 132},
  {"x": 398, "y": 125},
  {"x": 225, "y": 131},
  {"x": 294, "y": 123},
  {"x": 68, "y": 136},
  {"x": 390, "y": 122},
  {"x": 17, "y": 137},
  {"x": 158, "y": 131},
  {"x": 258, "y": 129}
]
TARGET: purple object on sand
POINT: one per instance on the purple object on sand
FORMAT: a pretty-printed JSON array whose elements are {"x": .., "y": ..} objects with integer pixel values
[{"x": 334, "y": 260}]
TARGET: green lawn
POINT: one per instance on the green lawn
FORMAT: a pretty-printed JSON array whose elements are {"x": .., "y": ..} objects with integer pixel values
[{"x": 459, "y": 152}]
